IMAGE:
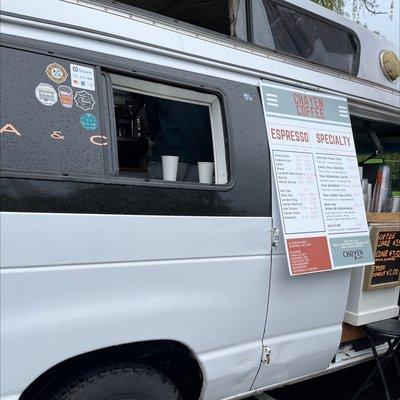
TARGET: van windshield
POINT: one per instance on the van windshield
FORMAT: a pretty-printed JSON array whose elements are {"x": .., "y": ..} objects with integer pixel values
[{"x": 313, "y": 39}]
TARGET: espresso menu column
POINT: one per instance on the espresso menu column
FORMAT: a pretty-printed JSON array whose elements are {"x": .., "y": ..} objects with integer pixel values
[{"x": 317, "y": 182}]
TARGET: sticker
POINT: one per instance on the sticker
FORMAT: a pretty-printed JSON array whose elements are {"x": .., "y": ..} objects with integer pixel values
[
  {"x": 89, "y": 121},
  {"x": 82, "y": 77},
  {"x": 248, "y": 96},
  {"x": 66, "y": 96},
  {"x": 84, "y": 100},
  {"x": 8, "y": 128},
  {"x": 57, "y": 135},
  {"x": 46, "y": 94},
  {"x": 56, "y": 73},
  {"x": 97, "y": 140}
]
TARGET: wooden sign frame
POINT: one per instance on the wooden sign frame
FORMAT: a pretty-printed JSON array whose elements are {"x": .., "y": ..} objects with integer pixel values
[{"x": 375, "y": 231}]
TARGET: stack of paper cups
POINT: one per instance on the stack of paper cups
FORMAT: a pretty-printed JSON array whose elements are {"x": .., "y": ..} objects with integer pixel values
[
  {"x": 395, "y": 204},
  {"x": 170, "y": 167},
  {"x": 206, "y": 171},
  {"x": 369, "y": 197},
  {"x": 381, "y": 189}
]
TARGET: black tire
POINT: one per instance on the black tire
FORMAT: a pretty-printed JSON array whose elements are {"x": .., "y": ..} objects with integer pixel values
[{"x": 118, "y": 381}]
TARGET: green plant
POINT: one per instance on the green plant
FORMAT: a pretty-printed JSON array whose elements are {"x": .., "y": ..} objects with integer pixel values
[{"x": 357, "y": 7}]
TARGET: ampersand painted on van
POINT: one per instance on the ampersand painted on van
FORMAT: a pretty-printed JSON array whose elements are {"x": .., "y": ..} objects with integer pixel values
[{"x": 57, "y": 135}]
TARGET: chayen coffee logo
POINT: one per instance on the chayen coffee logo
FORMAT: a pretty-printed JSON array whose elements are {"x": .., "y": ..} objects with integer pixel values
[{"x": 356, "y": 254}]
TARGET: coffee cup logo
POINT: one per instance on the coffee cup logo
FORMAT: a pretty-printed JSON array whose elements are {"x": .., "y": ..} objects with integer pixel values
[{"x": 65, "y": 94}]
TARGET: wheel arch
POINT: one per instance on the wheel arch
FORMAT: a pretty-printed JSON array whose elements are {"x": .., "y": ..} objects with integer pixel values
[{"x": 186, "y": 373}]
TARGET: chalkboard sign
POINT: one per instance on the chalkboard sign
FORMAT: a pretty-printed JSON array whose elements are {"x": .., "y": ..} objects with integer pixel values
[{"x": 386, "y": 246}]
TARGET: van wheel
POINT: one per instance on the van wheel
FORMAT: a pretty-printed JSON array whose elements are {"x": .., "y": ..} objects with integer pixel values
[{"x": 119, "y": 381}]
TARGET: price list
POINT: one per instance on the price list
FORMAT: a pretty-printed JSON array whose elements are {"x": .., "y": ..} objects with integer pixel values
[{"x": 316, "y": 178}]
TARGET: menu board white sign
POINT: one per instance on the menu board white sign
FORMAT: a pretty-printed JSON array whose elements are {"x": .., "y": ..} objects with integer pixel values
[{"x": 317, "y": 180}]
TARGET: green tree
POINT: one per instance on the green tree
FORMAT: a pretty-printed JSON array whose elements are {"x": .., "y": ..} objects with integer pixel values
[{"x": 358, "y": 7}]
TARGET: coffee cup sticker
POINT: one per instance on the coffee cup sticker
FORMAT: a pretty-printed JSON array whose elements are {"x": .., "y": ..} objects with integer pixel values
[
  {"x": 66, "y": 96},
  {"x": 84, "y": 100},
  {"x": 46, "y": 94},
  {"x": 56, "y": 73},
  {"x": 89, "y": 122}
]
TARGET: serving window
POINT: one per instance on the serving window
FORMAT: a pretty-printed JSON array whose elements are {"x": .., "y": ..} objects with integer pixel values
[{"x": 166, "y": 133}]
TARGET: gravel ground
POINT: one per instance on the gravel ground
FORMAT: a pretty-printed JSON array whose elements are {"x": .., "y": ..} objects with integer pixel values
[{"x": 340, "y": 385}]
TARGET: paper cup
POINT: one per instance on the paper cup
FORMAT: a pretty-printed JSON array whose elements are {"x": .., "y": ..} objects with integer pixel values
[
  {"x": 369, "y": 197},
  {"x": 395, "y": 204},
  {"x": 360, "y": 171},
  {"x": 170, "y": 167},
  {"x": 206, "y": 171},
  {"x": 364, "y": 185},
  {"x": 365, "y": 196}
]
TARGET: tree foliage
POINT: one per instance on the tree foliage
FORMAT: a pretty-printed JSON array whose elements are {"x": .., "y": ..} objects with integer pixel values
[{"x": 355, "y": 8}]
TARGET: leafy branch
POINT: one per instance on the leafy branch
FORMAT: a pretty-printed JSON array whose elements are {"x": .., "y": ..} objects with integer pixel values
[{"x": 373, "y": 7}]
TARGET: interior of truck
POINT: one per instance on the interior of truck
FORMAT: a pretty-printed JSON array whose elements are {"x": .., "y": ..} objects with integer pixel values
[
  {"x": 156, "y": 124},
  {"x": 209, "y": 14},
  {"x": 378, "y": 144}
]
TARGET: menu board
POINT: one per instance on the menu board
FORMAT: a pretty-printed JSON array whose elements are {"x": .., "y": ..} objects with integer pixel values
[
  {"x": 317, "y": 180},
  {"x": 386, "y": 271}
]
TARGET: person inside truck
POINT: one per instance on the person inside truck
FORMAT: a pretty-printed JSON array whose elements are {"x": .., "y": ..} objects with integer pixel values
[{"x": 178, "y": 129}]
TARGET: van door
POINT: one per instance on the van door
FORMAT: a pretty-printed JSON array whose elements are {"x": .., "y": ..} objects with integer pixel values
[{"x": 305, "y": 313}]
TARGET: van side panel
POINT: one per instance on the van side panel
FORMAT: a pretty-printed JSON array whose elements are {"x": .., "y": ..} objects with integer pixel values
[
  {"x": 94, "y": 263},
  {"x": 74, "y": 283}
]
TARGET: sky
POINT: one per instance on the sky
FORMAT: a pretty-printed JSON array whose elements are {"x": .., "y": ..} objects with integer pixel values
[{"x": 381, "y": 23}]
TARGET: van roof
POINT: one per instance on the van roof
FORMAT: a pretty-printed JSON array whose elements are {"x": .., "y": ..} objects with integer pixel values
[{"x": 88, "y": 18}]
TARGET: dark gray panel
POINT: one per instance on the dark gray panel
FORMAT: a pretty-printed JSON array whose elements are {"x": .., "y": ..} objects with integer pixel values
[
  {"x": 34, "y": 149},
  {"x": 248, "y": 192}
]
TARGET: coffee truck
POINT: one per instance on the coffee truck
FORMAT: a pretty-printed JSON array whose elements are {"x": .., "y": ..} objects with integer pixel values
[{"x": 193, "y": 196}]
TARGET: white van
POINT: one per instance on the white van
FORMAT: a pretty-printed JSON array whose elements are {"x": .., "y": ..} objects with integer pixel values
[{"x": 118, "y": 283}]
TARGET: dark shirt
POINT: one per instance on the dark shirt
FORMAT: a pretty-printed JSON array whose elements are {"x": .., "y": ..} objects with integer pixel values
[{"x": 179, "y": 129}]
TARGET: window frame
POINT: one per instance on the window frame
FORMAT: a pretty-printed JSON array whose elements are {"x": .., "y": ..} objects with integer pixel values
[
  {"x": 118, "y": 6},
  {"x": 106, "y": 119},
  {"x": 318, "y": 17},
  {"x": 176, "y": 93}
]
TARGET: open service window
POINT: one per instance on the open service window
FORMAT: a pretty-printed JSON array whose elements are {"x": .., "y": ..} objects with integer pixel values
[{"x": 168, "y": 133}]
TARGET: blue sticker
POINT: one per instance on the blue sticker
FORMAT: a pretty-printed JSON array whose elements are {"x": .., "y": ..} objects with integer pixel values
[{"x": 89, "y": 121}]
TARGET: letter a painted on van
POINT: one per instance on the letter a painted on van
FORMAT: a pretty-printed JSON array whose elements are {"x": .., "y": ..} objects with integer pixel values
[{"x": 8, "y": 128}]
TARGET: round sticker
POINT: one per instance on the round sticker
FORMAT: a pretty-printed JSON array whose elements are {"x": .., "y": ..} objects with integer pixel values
[
  {"x": 84, "y": 100},
  {"x": 46, "y": 94},
  {"x": 56, "y": 73},
  {"x": 89, "y": 121}
]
